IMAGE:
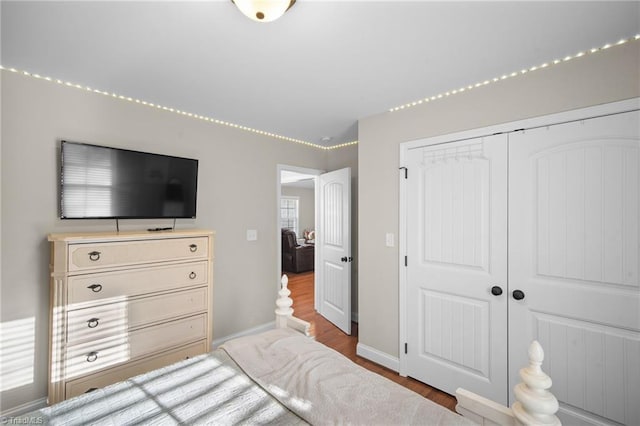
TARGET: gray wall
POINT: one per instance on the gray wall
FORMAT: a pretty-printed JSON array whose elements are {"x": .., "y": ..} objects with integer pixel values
[
  {"x": 236, "y": 192},
  {"x": 606, "y": 76}
]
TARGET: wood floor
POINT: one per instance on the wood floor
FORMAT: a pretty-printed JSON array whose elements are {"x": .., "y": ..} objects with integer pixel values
[{"x": 301, "y": 286}]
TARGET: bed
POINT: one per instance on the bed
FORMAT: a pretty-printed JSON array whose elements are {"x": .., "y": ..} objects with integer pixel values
[{"x": 283, "y": 376}]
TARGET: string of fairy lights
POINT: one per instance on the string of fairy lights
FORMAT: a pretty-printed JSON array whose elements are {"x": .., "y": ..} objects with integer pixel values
[
  {"x": 513, "y": 74},
  {"x": 310, "y": 144}
]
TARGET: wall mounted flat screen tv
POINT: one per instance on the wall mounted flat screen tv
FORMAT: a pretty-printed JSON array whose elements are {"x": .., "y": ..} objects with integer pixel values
[{"x": 99, "y": 182}]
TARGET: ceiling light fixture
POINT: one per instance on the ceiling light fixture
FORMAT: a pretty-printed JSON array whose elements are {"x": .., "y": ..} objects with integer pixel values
[{"x": 263, "y": 10}]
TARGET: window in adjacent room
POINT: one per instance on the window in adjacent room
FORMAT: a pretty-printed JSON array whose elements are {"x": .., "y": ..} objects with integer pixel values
[{"x": 289, "y": 213}]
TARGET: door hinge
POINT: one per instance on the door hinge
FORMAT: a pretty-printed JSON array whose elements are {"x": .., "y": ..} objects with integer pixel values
[
  {"x": 406, "y": 171},
  {"x": 406, "y": 348},
  {"x": 405, "y": 261}
]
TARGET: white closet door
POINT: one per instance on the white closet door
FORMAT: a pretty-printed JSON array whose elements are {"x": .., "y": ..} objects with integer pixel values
[
  {"x": 574, "y": 254},
  {"x": 456, "y": 248}
]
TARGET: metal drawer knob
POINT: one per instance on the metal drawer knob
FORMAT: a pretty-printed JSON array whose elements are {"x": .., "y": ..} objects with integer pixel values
[
  {"x": 192, "y": 275},
  {"x": 193, "y": 248},
  {"x": 496, "y": 290},
  {"x": 92, "y": 356},
  {"x": 94, "y": 256},
  {"x": 96, "y": 288},
  {"x": 92, "y": 323}
]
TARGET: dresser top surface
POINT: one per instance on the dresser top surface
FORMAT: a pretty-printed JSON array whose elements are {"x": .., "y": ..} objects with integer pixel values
[{"x": 128, "y": 235}]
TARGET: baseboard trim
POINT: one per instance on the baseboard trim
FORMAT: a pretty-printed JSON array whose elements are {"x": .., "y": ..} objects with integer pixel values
[
  {"x": 378, "y": 357},
  {"x": 24, "y": 408},
  {"x": 255, "y": 330}
]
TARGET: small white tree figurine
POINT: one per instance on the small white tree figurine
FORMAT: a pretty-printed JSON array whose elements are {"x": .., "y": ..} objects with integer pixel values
[{"x": 535, "y": 405}]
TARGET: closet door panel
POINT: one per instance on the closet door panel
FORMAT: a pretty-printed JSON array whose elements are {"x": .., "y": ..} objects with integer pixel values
[
  {"x": 457, "y": 251},
  {"x": 574, "y": 252}
]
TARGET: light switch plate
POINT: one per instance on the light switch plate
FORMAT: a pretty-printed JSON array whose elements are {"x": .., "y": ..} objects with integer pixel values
[
  {"x": 252, "y": 234},
  {"x": 389, "y": 240}
]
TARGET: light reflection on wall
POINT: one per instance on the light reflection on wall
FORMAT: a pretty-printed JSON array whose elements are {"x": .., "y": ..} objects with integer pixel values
[{"x": 17, "y": 352}]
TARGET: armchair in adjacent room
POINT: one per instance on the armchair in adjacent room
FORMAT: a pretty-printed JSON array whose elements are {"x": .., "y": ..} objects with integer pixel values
[{"x": 295, "y": 257}]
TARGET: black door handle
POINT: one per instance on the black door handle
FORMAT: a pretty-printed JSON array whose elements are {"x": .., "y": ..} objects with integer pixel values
[
  {"x": 496, "y": 290},
  {"x": 518, "y": 294}
]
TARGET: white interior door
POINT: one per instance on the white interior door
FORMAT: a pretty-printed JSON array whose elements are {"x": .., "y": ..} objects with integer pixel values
[
  {"x": 456, "y": 261},
  {"x": 574, "y": 253},
  {"x": 333, "y": 242}
]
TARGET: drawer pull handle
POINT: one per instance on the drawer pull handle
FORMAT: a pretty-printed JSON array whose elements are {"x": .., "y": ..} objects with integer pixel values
[
  {"x": 96, "y": 288},
  {"x": 193, "y": 248},
  {"x": 90, "y": 390},
  {"x": 92, "y": 356},
  {"x": 94, "y": 256},
  {"x": 192, "y": 275},
  {"x": 92, "y": 323}
]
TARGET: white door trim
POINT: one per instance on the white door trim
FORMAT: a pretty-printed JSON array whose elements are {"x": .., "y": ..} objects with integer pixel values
[
  {"x": 542, "y": 121},
  {"x": 402, "y": 252}
]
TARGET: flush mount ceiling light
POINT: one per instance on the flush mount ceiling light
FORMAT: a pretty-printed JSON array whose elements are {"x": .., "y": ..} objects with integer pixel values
[{"x": 263, "y": 10}]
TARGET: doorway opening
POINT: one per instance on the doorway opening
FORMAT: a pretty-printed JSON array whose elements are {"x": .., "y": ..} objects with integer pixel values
[
  {"x": 297, "y": 215},
  {"x": 330, "y": 247}
]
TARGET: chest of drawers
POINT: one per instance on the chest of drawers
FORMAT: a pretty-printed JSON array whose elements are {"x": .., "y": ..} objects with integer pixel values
[{"x": 126, "y": 303}]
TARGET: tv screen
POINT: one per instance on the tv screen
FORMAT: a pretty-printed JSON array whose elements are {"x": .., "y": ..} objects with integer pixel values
[{"x": 99, "y": 182}]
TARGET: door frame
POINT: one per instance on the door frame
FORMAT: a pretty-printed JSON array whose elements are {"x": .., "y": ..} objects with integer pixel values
[
  {"x": 307, "y": 171},
  {"x": 577, "y": 114}
]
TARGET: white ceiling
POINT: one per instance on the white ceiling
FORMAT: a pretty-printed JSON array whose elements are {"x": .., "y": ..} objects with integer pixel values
[{"x": 309, "y": 75}]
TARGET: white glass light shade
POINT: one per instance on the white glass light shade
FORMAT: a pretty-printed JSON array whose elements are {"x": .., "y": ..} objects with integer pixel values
[{"x": 263, "y": 10}]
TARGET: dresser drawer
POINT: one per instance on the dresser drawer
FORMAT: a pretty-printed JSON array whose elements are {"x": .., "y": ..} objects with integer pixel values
[
  {"x": 97, "y": 355},
  {"x": 118, "y": 374},
  {"x": 108, "y": 287},
  {"x": 102, "y": 321},
  {"x": 92, "y": 256}
]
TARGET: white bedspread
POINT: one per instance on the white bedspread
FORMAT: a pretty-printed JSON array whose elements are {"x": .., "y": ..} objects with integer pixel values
[
  {"x": 208, "y": 389},
  {"x": 324, "y": 387},
  {"x": 289, "y": 379}
]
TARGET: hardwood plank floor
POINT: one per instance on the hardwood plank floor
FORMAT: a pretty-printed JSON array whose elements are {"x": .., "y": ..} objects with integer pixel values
[{"x": 301, "y": 286}]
